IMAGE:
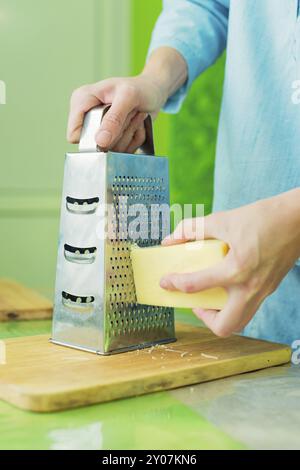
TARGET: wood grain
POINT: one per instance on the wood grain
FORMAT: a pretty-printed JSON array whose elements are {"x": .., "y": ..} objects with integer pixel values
[
  {"x": 18, "y": 302},
  {"x": 41, "y": 376}
]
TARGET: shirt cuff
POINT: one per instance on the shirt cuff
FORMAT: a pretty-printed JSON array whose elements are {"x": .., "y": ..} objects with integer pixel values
[{"x": 175, "y": 101}]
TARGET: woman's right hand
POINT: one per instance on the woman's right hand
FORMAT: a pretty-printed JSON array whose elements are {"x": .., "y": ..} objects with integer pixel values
[{"x": 122, "y": 128}]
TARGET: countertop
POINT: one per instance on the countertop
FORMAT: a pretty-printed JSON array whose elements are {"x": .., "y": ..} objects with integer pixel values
[{"x": 258, "y": 410}]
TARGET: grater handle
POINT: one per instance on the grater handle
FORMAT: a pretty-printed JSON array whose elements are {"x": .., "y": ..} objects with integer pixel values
[{"x": 91, "y": 123}]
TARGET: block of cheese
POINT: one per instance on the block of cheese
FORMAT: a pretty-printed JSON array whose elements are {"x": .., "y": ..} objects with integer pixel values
[{"x": 150, "y": 264}]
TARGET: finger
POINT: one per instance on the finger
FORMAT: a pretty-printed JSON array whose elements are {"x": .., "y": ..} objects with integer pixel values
[
  {"x": 196, "y": 228},
  {"x": 125, "y": 127},
  {"x": 129, "y": 132},
  {"x": 202, "y": 313},
  {"x": 129, "y": 118},
  {"x": 138, "y": 140},
  {"x": 82, "y": 101},
  {"x": 185, "y": 231},
  {"x": 115, "y": 118},
  {"x": 217, "y": 276},
  {"x": 228, "y": 320}
]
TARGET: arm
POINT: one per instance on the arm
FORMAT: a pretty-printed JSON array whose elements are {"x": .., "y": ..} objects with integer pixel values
[
  {"x": 188, "y": 37},
  {"x": 197, "y": 29},
  {"x": 264, "y": 241},
  {"x": 167, "y": 69}
]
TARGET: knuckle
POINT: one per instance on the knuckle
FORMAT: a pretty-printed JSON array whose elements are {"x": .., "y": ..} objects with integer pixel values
[
  {"x": 245, "y": 293},
  {"x": 243, "y": 268},
  {"x": 71, "y": 138},
  {"x": 221, "y": 331},
  {"x": 113, "y": 118},
  {"x": 78, "y": 93},
  {"x": 254, "y": 283},
  {"x": 140, "y": 135},
  {"x": 237, "y": 269},
  {"x": 130, "y": 90},
  {"x": 187, "y": 286},
  {"x": 75, "y": 94},
  {"x": 233, "y": 272}
]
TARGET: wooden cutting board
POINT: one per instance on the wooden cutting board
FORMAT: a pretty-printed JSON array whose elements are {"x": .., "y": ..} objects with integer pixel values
[
  {"x": 41, "y": 376},
  {"x": 18, "y": 302}
]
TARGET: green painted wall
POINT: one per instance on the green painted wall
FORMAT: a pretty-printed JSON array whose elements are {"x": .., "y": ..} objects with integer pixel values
[
  {"x": 42, "y": 60},
  {"x": 47, "y": 49}
]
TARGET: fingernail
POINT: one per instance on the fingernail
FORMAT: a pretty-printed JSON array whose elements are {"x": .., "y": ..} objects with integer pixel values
[
  {"x": 104, "y": 138},
  {"x": 164, "y": 283}
]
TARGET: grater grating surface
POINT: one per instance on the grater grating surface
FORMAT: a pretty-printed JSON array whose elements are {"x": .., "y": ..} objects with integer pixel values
[
  {"x": 129, "y": 321},
  {"x": 95, "y": 304}
]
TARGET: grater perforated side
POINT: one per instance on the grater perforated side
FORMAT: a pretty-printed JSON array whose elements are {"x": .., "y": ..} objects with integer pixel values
[
  {"x": 129, "y": 324},
  {"x": 95, "y": 305}
]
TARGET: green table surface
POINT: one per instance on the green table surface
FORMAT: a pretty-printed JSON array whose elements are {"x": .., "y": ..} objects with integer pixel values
[{"x": 156, "y": 421}]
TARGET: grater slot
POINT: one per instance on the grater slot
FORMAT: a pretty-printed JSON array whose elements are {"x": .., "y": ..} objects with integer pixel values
[
  {"x": 76, "y": 302},
  {"x": 82, "y": 206},
  {"x": 80, "y": 255}
]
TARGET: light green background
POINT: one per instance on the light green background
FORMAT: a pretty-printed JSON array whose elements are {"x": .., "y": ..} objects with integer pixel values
[{"x": 47, "y": 49}]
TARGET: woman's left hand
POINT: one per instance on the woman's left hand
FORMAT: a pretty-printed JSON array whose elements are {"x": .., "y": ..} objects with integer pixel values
[{"x": 264, "y": 242}]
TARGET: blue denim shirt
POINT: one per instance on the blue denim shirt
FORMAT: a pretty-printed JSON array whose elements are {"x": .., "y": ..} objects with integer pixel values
[{"x": 258, "y": 148}]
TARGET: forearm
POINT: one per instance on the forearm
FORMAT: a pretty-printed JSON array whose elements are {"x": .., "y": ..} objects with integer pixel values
[{"x": 167, "y": 69}]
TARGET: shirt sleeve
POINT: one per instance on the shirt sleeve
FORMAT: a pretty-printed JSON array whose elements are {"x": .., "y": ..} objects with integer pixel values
[{"x": 197, "y": 29}]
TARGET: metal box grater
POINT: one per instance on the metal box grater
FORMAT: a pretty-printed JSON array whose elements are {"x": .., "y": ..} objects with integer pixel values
[{"x": 95, "y": 305}]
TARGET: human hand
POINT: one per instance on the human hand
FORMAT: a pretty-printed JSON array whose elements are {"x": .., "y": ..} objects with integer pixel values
[
  {"x": 122, "y": 128},
  {"x": 264, "y": 242}
]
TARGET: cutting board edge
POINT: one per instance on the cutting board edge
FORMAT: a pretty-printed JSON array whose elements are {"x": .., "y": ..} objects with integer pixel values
[
  {"x": 52, "y": 402},
  {"x": 19, "y": 315},
  {"x": 27, "y": 305}
]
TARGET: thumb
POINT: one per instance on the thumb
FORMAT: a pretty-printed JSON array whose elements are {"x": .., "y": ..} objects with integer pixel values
[{"x": 114, "y": 120}]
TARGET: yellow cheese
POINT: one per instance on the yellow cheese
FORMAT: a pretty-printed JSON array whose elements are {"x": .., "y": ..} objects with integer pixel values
[{"x": 152, "y": 263}]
